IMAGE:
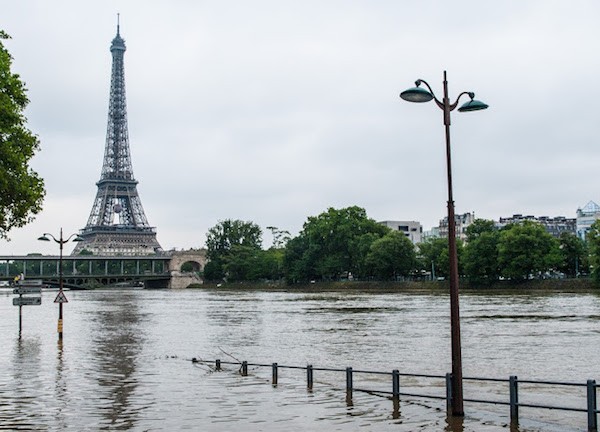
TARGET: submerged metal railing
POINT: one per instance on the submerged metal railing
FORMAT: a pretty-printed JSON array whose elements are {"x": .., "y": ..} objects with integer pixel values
[{"x": 396, "y": 391}]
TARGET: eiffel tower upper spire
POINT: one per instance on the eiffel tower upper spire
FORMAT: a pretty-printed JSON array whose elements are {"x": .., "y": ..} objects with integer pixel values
[
  {"x": 117, "y": 224},
  {"x": 117, "y": 160}
]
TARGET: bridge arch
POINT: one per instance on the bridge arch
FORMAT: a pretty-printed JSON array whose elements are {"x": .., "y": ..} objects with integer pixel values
[{"x": 196, "y": 258}]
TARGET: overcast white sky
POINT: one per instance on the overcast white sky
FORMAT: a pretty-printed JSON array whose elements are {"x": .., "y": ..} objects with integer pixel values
[{"x": 273, "y": 111}]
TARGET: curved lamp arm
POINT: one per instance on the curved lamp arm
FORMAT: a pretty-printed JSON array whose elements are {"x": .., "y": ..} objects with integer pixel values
[
  {"x": 455, "y": 104},
  {"x": 77, "y": 238},
  {"x": 422, "y": 81}
]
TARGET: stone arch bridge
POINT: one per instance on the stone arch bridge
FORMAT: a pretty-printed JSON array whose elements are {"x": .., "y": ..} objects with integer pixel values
[{"x": 173, "y": 269}]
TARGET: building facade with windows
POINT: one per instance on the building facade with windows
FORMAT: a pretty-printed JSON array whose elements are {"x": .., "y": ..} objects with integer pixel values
[
  {"x": 586, "y": 216},
  {"x": 554, "y": 225},
  {"x": 411, "y": 229},
  {"x": 433, "y": 233},
  {"x": 462, "y": 222}
]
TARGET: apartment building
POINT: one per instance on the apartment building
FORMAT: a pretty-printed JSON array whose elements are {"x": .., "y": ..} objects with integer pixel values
[
  {"x": 586, "y": 216},
  {"x": 411, "y": 229},
  {"x": 462, "y": 222},
  {"x": 554, "y": 225}
]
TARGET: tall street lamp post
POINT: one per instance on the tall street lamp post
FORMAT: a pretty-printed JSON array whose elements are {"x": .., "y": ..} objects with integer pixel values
[
  {"x": 419, "y": 94},
  {"x": 60, "y": 298}
]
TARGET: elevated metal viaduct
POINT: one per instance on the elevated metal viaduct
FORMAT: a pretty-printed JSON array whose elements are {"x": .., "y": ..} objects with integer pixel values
[{"x": 169, "y": 270}]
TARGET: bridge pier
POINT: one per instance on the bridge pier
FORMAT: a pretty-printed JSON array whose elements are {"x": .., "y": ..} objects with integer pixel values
[{"x": 183, "y": 280}]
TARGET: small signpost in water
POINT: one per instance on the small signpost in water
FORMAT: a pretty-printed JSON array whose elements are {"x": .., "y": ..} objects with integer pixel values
[
  {"x": 21, "y": 301},
  {"x": 28, "y": 289},
  {"x": 27, "y": 301}
]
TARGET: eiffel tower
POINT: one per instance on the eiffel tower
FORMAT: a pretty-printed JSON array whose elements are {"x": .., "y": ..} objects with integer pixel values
[{"x": 117, "y": 224}]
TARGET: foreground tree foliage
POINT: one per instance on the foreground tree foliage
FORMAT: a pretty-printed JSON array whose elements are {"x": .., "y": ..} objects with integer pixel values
[{"x": 21, "y": 189}]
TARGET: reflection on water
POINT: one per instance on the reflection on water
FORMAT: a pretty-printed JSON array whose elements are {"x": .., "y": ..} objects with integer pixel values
[
  {"x": 116, "y": 343},
  {"x": 61, "y": 394},
  {"x": 28, "y": 385},
  {"x": 125, "y": 360}
]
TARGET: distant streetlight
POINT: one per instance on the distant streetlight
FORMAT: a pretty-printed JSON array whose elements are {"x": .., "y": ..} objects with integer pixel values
[
  {"x": 419, "y": 94},
  {"x": 60, "y": 298}
]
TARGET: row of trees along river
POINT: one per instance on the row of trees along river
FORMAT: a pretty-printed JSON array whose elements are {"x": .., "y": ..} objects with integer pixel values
[{"x": 345, "y": 243}]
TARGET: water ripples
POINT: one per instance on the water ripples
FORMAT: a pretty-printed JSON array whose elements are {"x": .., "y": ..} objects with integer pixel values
[{"x": 125, "y": 361}]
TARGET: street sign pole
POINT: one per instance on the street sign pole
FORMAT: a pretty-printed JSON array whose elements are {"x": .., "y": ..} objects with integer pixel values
[
  {"x": 27, "y": 300},
  {"x": 20, "y": 317},
  {"x": 60, "y": 321}
]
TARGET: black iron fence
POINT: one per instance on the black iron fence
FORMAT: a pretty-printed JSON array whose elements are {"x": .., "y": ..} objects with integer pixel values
[{"x": 395, "y": 389}]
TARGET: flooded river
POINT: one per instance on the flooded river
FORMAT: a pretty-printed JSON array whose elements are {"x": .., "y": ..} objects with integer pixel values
[{"x": 125, "y": 360}]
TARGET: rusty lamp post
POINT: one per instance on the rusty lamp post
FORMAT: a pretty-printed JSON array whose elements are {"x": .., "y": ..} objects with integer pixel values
[
  {"x": 419, "y": 94},
  {"x": 60, "y": 298}
]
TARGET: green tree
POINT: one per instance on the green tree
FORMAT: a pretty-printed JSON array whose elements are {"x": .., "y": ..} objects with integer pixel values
[
  {"x": 213, "y": 270},
  {"x": 229, "y": 245},
  {"x": 280, "y": 237},
  {"x": 21, "y": 189},
  {"x": 526, "y": 250},
  {"x": 226, "y": 234},
  {"x": 573, "y": 253},
  {"x": 295, "y": 267},
  {"x": 478, "y": 227},
  {"x": 433, "y": 256},
  {"x": 391, "y": 256},
  {"x": 270, "y": 264},
  {"x": 271, "y": 261},
  {"x": 593, "y": 241},
  {"x": 481, "y": 252},
  {"x": 241, "y": 262},
  {"x": 331, "y": 244}
]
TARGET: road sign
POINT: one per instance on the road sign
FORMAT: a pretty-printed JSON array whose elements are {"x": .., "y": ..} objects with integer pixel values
[
  {"x": 27, "y": 290},
  {"x": 61, "y": 298},
  {"x": 27, "y": 301}
]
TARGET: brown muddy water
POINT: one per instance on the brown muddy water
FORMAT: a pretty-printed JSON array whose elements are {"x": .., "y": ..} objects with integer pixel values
[{"x": 125, "y": 360}]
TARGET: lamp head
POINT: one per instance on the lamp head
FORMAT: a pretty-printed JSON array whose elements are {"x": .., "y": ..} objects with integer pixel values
[
  {"x": 44, "y": 238},
  {"x": 78, "y": 239},
  {"x": 472, "y": 105},
  {"x": 416, "y": 94}
]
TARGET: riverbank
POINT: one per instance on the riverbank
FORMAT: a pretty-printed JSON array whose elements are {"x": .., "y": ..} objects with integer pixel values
[{"x": 554, "y": 285}]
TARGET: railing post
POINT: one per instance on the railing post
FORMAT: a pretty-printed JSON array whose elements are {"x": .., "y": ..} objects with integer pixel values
[
  {"x": 244, "y": 368},
  {"x": 274, "y": 373},
  {"x": 396, "y": 384},
  {"x": 218, "y": 364},
  {"x": 349, "y": 402},
  {"x": 349, "y": 382},
  {"x": 449, "y": 392},
  {"x": 309, "y": 377},
  {"x": 513, "y": 386},
  {"x": 591, "y": 406}
]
